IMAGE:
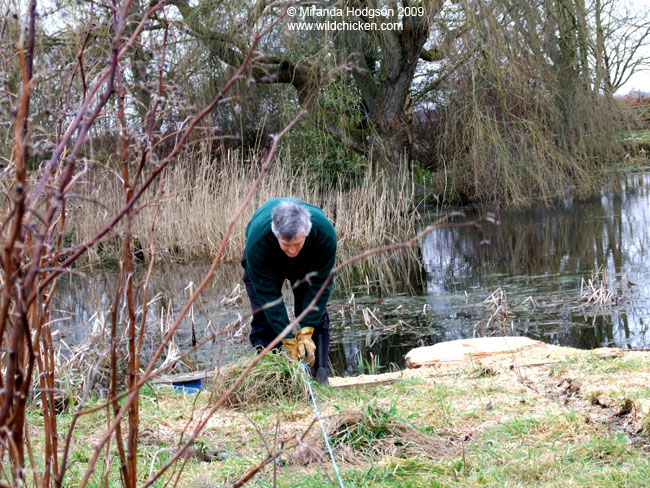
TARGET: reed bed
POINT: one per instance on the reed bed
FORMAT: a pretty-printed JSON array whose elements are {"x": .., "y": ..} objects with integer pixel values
[{"x": 200, "y": 195}]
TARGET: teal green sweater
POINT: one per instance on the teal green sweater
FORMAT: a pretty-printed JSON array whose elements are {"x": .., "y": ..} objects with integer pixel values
[{"x": 268, "y": 266}]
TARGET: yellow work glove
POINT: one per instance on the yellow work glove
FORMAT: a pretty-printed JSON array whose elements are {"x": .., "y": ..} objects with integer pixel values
[
  {"x": 291, "y": 346},
  {"x": 301, "y": 347}
]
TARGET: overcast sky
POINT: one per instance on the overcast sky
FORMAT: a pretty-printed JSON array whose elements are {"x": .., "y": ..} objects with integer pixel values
[{"x": 638, "y": 81}]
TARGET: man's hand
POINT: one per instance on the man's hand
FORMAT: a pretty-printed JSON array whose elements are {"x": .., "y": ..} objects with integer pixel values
[
  {"x": 301, "y": 347},
  {"x": 306, "y": 346},
  {"x": 291, "y": 346}
]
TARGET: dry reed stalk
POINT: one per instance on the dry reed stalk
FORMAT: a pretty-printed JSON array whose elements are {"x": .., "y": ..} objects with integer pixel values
[
  {"x": 596, "y": 290},
  {"x": 499, "y": 321},
  {"x": 196, "y": 201},
  {"x": 370, "y": 318}
]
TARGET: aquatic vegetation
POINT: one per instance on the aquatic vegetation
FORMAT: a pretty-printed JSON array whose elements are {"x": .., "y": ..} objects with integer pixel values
[
  {"x": 501, "y": 321},
  {"x": 193, "y": 217},
  {"x": 596, "y": 290},
  {"x": 367, "y": 366}
]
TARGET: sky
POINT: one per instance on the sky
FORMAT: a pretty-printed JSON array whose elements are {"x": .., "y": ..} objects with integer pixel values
[
  {"x": 637, "y": 82},
  {"x": 641, "y": 80}
]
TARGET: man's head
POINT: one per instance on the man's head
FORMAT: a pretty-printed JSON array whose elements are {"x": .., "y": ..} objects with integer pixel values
[{"x": 291, "y": 224}]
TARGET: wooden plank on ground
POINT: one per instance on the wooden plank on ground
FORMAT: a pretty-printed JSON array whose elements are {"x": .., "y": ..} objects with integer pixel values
[
  {"x": 465, "y": 349},
  {"x": 181, "y": 378}
]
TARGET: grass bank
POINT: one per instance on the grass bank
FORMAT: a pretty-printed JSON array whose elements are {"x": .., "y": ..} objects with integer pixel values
[
  {"x": 199, "y": 195},
  {"x": 638, "y": 141},
  {"x": 577, "y": 418}
]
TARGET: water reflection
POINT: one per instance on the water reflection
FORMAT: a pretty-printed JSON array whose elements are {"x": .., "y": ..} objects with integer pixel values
[
  {"x": 85, "y": 300},
  {"x": 544, "y": 253}
]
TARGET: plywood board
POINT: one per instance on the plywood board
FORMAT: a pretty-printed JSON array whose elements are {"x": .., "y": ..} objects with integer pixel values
[{"x": 465, "y": 349}]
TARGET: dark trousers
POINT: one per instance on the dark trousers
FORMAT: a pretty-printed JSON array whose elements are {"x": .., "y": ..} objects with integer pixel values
[{"x": 262, "y": 333}]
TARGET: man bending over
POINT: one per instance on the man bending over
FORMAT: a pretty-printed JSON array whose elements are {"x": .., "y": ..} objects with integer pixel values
[{"x": 290, "y": 239}]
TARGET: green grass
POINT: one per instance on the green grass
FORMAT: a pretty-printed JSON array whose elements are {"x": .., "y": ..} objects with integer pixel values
[
  {"x": 374, "y": 424},
  {"x": 455, "y": 430},
  {"x": 612, "y": 365},
  {"x": 639, "y": 136},
  {"x": 515, "y": 429},
  {"x": 604, "y": 462}
]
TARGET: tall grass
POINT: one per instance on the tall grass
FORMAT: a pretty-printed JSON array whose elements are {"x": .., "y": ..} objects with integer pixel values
[{"x": 200, "y": 194}]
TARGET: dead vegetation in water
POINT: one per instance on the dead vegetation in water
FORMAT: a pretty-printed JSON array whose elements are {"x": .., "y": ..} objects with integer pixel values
[
  {"x": 274, "y": 378},
  {"x": 235, "y": 297},
  {"x": 396, "y": 320},
  {"x": 597, "y": 290},
  {"x": 501, "y": 320},
  {"x": 85, "y": 366}
]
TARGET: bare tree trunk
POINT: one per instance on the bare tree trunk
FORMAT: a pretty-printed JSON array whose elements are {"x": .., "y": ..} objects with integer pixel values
[
  {"x": 600, "y": 81},
  {"x": 582, "y": 42},
  {"x": 392, "y": 122},
  {"x": 384, "y": 88}
]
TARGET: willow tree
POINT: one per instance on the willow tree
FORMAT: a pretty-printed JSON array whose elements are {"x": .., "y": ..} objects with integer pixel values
[
  {"x": 515, "y": 87},
  {"x": 383, "y": 62},
  {"x": 526, "y": 117}
]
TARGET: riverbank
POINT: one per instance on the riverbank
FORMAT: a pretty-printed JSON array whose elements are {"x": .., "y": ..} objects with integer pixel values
[
  {"x": 548, "y": 417},
  {"x": 525, "y": 275}
]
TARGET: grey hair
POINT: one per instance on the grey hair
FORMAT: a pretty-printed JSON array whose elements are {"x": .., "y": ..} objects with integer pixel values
[{"x": 289, "y": 218}]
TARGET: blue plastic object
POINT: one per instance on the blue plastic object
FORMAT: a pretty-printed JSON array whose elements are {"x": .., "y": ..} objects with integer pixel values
[{"x": 188, "y": 386}]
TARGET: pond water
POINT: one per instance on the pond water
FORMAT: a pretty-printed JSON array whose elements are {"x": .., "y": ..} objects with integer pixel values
[{"x": 574, "y": 275}]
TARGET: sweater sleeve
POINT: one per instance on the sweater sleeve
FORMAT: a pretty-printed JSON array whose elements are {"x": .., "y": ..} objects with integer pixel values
[{"x": 327, "y": 257}]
